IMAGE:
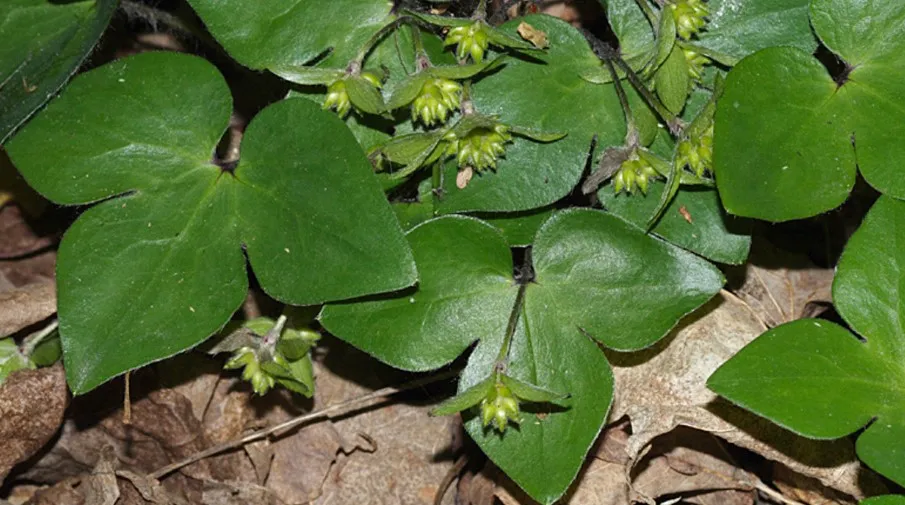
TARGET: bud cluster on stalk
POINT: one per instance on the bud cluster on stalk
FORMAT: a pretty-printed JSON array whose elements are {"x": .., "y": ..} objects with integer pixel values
[
  {"x": 697, "y": 153},
  {"x": 690, "y": 16}
]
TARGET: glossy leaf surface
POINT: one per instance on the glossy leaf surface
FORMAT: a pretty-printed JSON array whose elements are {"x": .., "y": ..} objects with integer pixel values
[
  {"x": 157, "y": 266},
  {"x": 597, "y": 278},
  {"x": 738, "y": 28},
  {"x": 694, "y": 220},
  {"x": 465, "y": 293},
  {"x": 785, "y": 128},
  {"x": 545, "y": 93},
  {"x": 44, "y": 42},
  {"x": 284, "y": 34},
  {"x": 816, "y": 378}
]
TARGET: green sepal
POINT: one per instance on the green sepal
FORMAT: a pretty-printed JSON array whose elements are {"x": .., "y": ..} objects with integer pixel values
[
  {"x": 310, "y": 76},
  {"x": 530, "y": 392},
  {"x": 536, "y": 135},
  {"x": 406, "y": 91},
  {"x": 364, "y": 96},
  {"x": 666, "y": 41},
  {"x": 466, "y": 399},
  {"x": 408, "y": 148},
  {"x": 466, "y": 71},
  {"x": 672, "y": 81},
  {"x": 442, "y": 21}
]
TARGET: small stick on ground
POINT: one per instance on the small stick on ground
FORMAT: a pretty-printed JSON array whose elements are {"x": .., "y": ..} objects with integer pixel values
[{"x": 296, "y": 421}]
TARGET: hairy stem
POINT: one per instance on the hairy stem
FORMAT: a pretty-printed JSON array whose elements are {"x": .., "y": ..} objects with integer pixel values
[
  {"x": 511, "y": 327},
  {"x": 356, "y": 65},
  {"x": 272, "y": 338},
  {"x": 31, "y": 343}
]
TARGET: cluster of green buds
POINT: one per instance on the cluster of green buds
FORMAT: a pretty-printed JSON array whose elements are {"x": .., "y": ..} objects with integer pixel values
[
  {"x": 697, "y": 152},
  {"x": 437, "y": 98},
  {"x": 633, "y": 173},
  {"x": 271, "y": 359},
  {"x": 338, "y": 92},
  {"x": 480, "y": 147},
  {"x": 690, "y": 16},
  {"x": 259, "y": 371},
  {"x": 696, "y": 63},
  {"x": 499, "y": 396},
  {"x": 472, "y": 39},
  {"x": 500, "y": 407},
  {"x": 477, "y": 141}
]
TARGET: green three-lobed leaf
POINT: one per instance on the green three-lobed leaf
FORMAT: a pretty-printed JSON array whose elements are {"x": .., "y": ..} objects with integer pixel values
[
  {"x": 788, "y": 137},
  {"x": 597, "y": 277},
  {"x": 819, "y": 380},
  {"x": 157, "y": 266}
]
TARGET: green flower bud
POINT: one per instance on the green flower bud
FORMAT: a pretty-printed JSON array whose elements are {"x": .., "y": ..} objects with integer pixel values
[
  {"x": 634, "y": 173},
  {"x": 252, "y": 372},
  {"x": 261, "y": 373},
  {"x": 696, "y": 64},
  {"x": 500, "y": 407},
  {"x": 472, "y": 39},
  {"x": 372, "y": 78},
  {"x": 338, "y": 97},
  {"x": 437, "y": 98},
  {"x": 697, "y": 153},
  {"x": 690, "y": 16},
  {"x": 480, "y": 147}
]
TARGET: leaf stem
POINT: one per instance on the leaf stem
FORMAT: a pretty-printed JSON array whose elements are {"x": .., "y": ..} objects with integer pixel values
[
  {"x": 672, "y": 121},
  {"x": 648, "y": 12},
  {"x": 631, "y": 129},
  {"x": 343, "y": 407},
  {"x": 269, "y": 343},
  {"x": 422, "y": 61},
  {"x": 480, "y": 12},
  {"x": 356, "y": 65},
  {"x": 31, "y": 343},
  {"x": 437, "y": 180},
  {"x": 511, "y": 327}
]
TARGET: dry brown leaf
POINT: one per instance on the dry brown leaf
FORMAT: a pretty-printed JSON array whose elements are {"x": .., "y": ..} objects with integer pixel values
[
  {"x": 238, "y": 493},
  {"x": 463, "y": 177},
  {"x": 478, "y": 488},
  {"x": 62, "y": 493},
  {"x": 25, "y": 306},
  {"x": 805, "y": 489},
  {"x": 13, "y": 188},
  {"x": 138, "y": 489},
  {"x": 782, "y": 287},
  {"x": 538, "y": 38},
  {"x": 693, "y": 464},
  {"x": 665, "y": 386},
  {"x": 17, "y": 237},
  {"x": 99, "y": 487},
  {"x": 163, "y": 429},
  {"x": 602, "y": 481},
  {"x": 409, "y": 450},
  {"x": 566, "y": 11},
  {"x": 32, "y": 403},
  {"x": 261, "y": 455},
  {"x": 301, "y": 462}
]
